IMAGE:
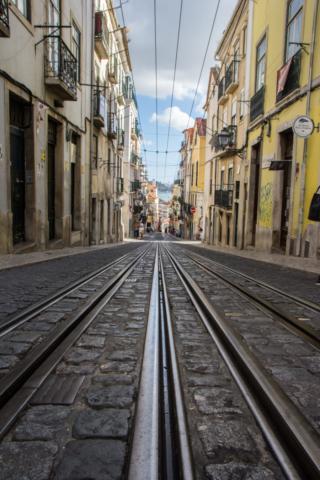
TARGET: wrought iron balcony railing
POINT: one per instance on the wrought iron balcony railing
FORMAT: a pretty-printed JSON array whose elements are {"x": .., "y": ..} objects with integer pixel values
[
  {"x": 101, "y": 35},
  {"x": 257, "y": 104},
  {"x": 134, "y": 158},
  {"x": 61, "y": 66},
  {"x": 187, "y": 208},
  {"x": 112, "y": 125},
  {"x": 232, "y": 77},
  {"x": 120, "y": 138},
  {"x": 130, "y": 95},
  {"x": 293, "y": 79},
  {"x": 223, "y": 198},
  {"x": 119, "y": 185},
  {"x": 4, "y": 18},
  {"x": 100, "y": 110}
]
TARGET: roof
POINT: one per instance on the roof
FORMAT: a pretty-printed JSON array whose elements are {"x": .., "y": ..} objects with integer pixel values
[{"x": 201, "y": 126}]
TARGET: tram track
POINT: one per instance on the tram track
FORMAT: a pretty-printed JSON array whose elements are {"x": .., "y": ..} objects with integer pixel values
[
  {"x": 304, "y": 331},
  {"x": 20, "y": 384},
  {"x": 284, "y": 426}
]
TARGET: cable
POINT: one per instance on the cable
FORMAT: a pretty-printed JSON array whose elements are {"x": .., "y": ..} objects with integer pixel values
[
  {"x": 156, "y": 71},
  {"x": 174, "y": 79},
  {"x": 204, "y": 59}
]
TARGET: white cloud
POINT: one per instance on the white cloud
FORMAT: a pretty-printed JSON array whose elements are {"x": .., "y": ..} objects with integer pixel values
[
  {"x": 179, "y": 120},
  {"x": 147, "y": 142}
]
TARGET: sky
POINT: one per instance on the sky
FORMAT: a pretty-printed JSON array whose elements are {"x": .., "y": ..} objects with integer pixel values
[{"x": 196, "y": 23}]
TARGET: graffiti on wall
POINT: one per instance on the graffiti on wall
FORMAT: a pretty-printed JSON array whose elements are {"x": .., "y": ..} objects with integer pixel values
[{"x": 266, "y": 200}]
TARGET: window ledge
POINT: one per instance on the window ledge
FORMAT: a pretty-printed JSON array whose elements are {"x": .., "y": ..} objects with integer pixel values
[{"x": 22, "y": 18}]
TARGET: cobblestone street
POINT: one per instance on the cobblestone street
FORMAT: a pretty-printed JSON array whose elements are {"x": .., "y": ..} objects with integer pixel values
[{"x": 161, "y": 326}]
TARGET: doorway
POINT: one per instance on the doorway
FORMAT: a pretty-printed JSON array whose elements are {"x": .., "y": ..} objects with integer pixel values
[
  {"x": 18, "y": 203},
  {"x": 236, "y": 224},
  {"x": 255, "y": 172},
  {"x": 52, "y": 141},
  {"x": 285, "y": 209}
]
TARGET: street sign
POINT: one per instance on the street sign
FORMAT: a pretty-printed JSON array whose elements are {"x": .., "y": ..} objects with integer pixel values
[
  {"x": 193, "y": 209},
  {"x": 303, "y": 126},
  {"x": 176, "y": 219}
]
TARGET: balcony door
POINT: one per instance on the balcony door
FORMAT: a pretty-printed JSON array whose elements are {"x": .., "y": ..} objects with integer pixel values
[
  {"x": 52, "y": 140},
  {"x": 54, "y": 14}
]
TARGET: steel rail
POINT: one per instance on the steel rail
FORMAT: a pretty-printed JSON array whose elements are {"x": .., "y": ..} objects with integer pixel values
[
  {"x": 144, "y": 459},
  {"x": 47, "y": 360},
  {"x": 296, "y": 433},
  {"x": 301, "y": 301},
  {"x": 304, "y": 331},
  {"x": 16, "y": 319},
  {"x": 185, "y": 454},
  {"x": 21, "y": 372}
]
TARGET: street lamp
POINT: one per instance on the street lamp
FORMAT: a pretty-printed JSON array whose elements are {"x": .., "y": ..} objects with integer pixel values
[
  {"x": 224, "y": 137},
  {"x": 227, "y": 138}
]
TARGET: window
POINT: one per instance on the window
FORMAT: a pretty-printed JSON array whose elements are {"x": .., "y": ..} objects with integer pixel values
[
  {"x": 195, "y": 141},
  {"x": 24, "y": 7},
  {"x": 197, "y": 167},
  {"x": 237, "y": 194},
  {"x": 192, "y": 168},
  {"x": 230, "y": 178},
  {"x": 294, "y": 27},
  {"x": 76, "y": 46},
  {"x": 261, "y": 64},
  {"x": 244, "y": 49},
  {"x": 109, "y": 160},
  {"x": 225, "y": 117},
  {"x": 213, "y": 122},
  {"x": 95, "y": 152},
  {"x": 211, "y": 175},
  {"x": 222, "y": 180},
  {"x": 236, "y": 59},
  {"x": 54, "y": 19},
  {"x": 241, "y": 104},
  {"x": 234, "y": 112}
]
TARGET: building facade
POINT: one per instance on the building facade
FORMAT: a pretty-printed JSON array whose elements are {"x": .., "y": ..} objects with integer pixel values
[
  {"x": 62, "y": 119},
  {"x": 283, "y": 169},
  {"x": 197, "y": 166}
]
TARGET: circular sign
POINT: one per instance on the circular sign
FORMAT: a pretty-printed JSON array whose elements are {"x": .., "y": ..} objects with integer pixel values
[
  {"x": 303, "y": 126},
  {"x": 176, "y": 219},
  {"x": 193, "y": 209}
]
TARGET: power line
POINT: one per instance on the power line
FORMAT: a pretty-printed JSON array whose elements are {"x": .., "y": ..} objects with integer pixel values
[
  {"x": 174, "y": 79},
  {"x": 204, "y": 59},
  {"x": 156, "y": 71}
]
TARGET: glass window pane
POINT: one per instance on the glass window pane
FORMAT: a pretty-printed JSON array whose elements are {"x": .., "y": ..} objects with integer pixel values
[
  {"x": 294, "y": 7},
  {"x": 262, "y": 49}
]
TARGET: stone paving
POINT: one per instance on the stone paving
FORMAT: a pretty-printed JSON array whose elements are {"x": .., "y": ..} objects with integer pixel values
[
  {"x": 296, "y": 276},
  {"x": 225, "y": 439},
  {"x": 22, "y": 286},
  {"x": 89, "y": 439},
  {"x": 293, "y": 363}
]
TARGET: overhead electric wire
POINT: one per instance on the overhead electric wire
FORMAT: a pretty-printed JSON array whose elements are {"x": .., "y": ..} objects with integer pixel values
[
  {"x": 156, "y": 72},
  {"x": 174, "y": 79},
  {"x": 204, "y": 59},
  {"x": 134, "y": 88}
]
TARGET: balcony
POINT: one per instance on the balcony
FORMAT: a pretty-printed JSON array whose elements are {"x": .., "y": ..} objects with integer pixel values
[
  {"x": 112, "y": 126},
  {"x": 101, "y": 37},
  {"x": 130, "y": 95},
  {"x": 120, "y": 139},
  {"x": 4, "y": 19},
  {"x": 224, "y": 198},
  {"x": 119, "y": 186},
  {"x": 187, "y": 208},
  {"x": 99, "y": 110},
  {"x": 113, "y": 70},
  {"x": 232, "y": 77},
  {"x": 293, "y": 79},
  {"x": 257, "y": 104},
  {"x": 222, "y": 96},
  {"x": 60, "y": 69},
  {"x": 134, "y": 158},
  {"x": 177, "y": 181}
]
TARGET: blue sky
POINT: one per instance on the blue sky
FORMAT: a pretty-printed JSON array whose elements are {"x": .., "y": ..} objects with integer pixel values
[{"x": 196, "y": 23}]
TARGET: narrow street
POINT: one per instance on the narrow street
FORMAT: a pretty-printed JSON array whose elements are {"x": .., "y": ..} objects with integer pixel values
[{"x": 159, "y": 360}]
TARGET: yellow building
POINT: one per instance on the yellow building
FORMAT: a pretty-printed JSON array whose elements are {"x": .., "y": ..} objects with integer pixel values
[
  {"x": 198, "y": 157},
  {"x": 284, "y": 84}
]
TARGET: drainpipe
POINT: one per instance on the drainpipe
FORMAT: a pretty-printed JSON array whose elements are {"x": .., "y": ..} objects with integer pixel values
[
  {"x": 304, "y": 164},
  {"x": 91, "y": 122}
]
